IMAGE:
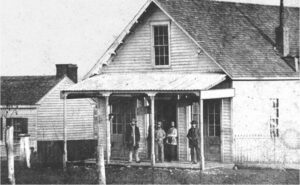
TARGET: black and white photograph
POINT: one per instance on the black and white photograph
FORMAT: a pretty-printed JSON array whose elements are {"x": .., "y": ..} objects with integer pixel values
[{"x": 150, "y": 92}]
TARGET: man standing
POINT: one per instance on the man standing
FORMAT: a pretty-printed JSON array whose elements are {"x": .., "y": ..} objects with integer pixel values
[
  {"x": 133, "y": 138},
  {"x": 160, "y": 135},
  {"x": 193, "y": 136}
]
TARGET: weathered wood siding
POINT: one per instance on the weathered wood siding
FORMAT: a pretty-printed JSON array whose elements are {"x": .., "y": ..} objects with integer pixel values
[
  {"x": 135, "y": 53},
  {"x": 101, "y": 121},
  {"x": 226, "y": 134},
  {"x": 251, "y": 121},
  {"x": 50, "y": 116},
  {"x": 182, "y": 130}
]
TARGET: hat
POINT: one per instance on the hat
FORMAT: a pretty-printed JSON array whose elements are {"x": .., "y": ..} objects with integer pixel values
[{"x": 194, "y": 122}]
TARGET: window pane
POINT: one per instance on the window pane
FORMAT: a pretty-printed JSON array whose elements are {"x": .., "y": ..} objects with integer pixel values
[
  {"x": 120, "y": 129},
  {"x": 114, "y": 128},
  {"x": 211, "y": 131},
  {"x": 217, "y": 119},
  {"x": 211, "y": 118},
  {"x": 217, "y": 130}
]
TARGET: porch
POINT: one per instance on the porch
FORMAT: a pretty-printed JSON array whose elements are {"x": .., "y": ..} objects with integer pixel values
[
  {"x": 174, "y": 164},
  {"x": 178, "y": 93}
]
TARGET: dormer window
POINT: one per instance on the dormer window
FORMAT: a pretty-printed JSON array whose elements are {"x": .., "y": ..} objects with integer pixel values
[{"x": 161, "y": 44}]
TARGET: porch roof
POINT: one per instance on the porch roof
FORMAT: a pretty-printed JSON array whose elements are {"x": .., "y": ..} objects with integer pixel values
[{"x": 148, "y": 82}]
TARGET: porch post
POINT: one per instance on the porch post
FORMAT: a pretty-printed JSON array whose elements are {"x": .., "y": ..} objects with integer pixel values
[
  {"x": 202, "y": 165},
  {"x": 108, "y": 133},
  {"x": 152, "y": 98},
  {"x": 65, "y": 153}
]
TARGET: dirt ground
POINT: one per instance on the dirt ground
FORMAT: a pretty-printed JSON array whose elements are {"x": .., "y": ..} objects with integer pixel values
[{"x": 146, "y": 175}]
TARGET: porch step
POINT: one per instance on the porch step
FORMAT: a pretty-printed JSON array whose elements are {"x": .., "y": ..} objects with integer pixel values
[{"x": 175, "y": 164}]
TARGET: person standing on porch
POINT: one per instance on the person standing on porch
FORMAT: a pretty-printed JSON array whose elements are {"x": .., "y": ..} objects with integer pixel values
[
  {"x": 160, "y": 135},
  {"x": 172, "y": 142},
  {"x": 193, "y": 136},
  {"x": 132, "y": 139}
]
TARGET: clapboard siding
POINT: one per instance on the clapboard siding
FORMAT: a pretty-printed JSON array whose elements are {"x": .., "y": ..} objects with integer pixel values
[
  {"x": 135, "y": 54},
  {"x": 226, "y": 133},
  {"x": 50, "y": 116}
]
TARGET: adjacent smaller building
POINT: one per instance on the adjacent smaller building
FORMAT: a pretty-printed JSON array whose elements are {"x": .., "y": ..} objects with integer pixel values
[{"x": 34, "y": 106}]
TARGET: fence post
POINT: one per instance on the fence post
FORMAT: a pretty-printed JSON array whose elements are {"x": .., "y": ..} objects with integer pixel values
[
  {"x": 10, "y": 153},
  {"x": 25, "y": 149},
  {"x": 101, "y": 165}
]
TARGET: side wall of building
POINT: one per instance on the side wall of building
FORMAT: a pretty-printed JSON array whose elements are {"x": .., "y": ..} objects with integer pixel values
[
  {"x": 80, "y": 116},
  {"x": 252, "y": 111}
]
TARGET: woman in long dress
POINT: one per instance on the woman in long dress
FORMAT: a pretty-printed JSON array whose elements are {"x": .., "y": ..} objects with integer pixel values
[{"x": 172, "y": 142}]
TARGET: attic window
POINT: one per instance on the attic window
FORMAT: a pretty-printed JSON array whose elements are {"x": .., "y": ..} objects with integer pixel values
[{"x": 160, "y": 44}]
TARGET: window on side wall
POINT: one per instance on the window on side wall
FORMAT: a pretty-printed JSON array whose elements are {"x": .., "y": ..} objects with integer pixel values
[
  {"x": 212, "y": 113},
  {"x": 274, "y": 117},
  {"x": 161, "y": 44},
  {"x": 20, "y": 126}
]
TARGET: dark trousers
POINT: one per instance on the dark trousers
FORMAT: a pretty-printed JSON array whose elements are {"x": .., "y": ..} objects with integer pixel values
[{"x": 195, "y": 149}]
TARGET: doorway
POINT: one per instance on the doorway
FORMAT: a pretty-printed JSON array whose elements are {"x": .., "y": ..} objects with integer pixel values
[
  {"x": 165, "y": 111},
  {"x": 212, "y": 129},
  {"x": 123, "y": 110}
]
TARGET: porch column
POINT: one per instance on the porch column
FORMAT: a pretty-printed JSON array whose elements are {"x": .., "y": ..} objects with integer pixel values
[
  {"x": 152, "y": 120},
  {"x": 65, "y": 153},
  {"x": 202, "y": 165},
  {"x": 108, "y": 133}
]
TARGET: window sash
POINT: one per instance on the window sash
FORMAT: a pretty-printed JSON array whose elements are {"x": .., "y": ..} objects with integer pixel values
[{"x": 160, "y": 43}]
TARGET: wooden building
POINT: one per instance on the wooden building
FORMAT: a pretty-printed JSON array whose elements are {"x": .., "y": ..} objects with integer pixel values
[
  {"x": 232, "y": 67},
  {"x": 34, "y": 106}
]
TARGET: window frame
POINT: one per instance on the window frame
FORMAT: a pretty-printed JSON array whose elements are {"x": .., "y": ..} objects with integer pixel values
[
  {"x": 152, "y": 25},
  {"x": 274, "y": 118},
  {"x": 17, "y": 134}
]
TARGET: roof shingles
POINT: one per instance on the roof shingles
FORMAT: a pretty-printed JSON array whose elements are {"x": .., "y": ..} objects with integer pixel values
[
  {"x": 240, "y": 37},
  {"x": 25, "y": 90}
]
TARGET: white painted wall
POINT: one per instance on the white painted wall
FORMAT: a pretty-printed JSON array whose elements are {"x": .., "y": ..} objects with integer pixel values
[{"x": 250, "y": 121}]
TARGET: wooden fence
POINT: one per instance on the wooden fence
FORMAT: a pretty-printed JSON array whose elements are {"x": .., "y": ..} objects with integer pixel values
[{"x": 263, "y": 149}]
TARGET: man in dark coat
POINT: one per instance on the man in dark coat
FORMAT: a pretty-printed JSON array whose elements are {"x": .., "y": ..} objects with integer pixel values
[
  {"x": 193, "y": 136},
  {"x": 132, "y": 139}
]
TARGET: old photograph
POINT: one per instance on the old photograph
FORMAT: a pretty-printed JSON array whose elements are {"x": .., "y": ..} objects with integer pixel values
[{"x": 150, "y": 92}]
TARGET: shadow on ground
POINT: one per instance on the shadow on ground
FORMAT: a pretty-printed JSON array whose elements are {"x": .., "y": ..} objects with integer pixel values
[{"x": 146, "y": 175}]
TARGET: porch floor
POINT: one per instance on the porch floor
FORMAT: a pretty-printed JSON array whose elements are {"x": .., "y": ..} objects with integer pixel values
[{"x": 173, "y": 164}]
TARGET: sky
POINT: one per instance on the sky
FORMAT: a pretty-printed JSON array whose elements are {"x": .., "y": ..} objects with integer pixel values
[{"x": 37, "y": 34}]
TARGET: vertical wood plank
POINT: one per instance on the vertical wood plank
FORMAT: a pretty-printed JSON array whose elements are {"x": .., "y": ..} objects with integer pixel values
[
  {"x": 65, "y": 153},
  {"x": 152, "y": 97},
  {"x": 202, "y": 165}
]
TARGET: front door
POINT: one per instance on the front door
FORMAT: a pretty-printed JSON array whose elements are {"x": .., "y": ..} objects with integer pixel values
[
  {"x": 123, "y": 111},
  {"x": 212, "y": 129}
]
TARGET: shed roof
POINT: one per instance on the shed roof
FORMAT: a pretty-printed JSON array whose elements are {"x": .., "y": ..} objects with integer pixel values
[
  {"x": 240, "y": 37},
  {"x": 149, "y": 82},
  {"x": 25, "y": 90}
]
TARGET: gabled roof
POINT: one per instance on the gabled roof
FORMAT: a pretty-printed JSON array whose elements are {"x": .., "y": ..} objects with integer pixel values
[
  {"x": 25, "y": 90},
  {"x": 240, "y": 38}
]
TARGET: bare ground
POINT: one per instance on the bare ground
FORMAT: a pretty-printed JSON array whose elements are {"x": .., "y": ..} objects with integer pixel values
[{"x": 146, "y": 175}]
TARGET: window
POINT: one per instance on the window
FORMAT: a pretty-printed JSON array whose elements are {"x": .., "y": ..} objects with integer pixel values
[
  {"x": 20, "y": 126},
  {"x": 123, "y": 113},
  {"x": 160, "y": 32},
  {"x": 1, "y": 129},
  {"x": 212, "y": 117},
  {"x": 274, "y": 117}
]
